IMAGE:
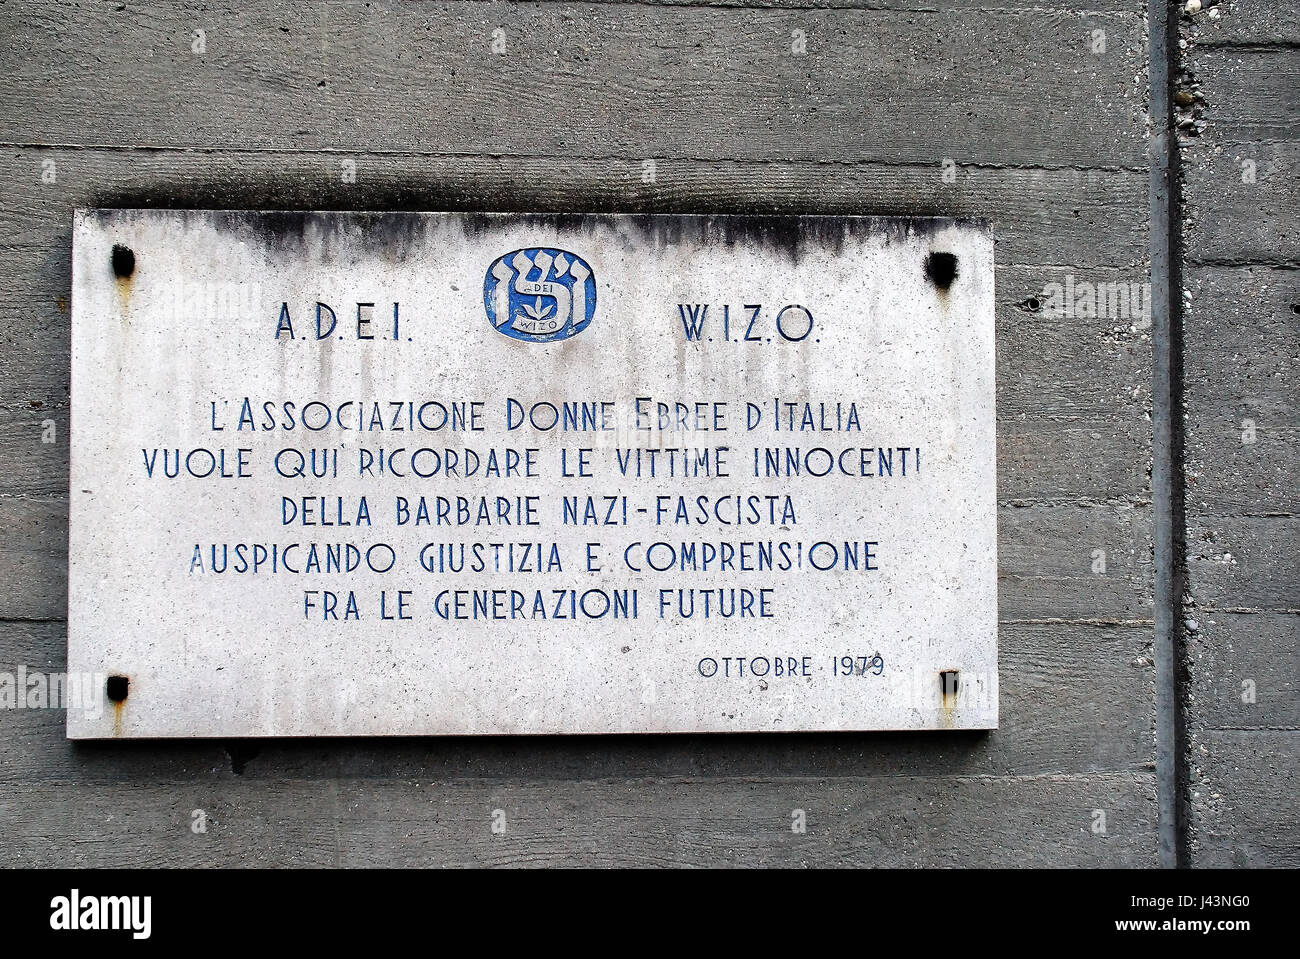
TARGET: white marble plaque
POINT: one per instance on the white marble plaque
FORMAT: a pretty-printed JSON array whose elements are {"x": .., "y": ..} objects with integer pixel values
[{"x": 406, "y": 473}]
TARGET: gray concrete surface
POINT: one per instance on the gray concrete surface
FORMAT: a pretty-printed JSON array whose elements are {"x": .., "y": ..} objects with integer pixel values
[
  {"x": 1242, "y": 357},
  {"x": 1044, "y": 120}
]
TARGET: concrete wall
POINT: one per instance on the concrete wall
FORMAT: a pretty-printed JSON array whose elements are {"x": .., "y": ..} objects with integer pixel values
[
  {"x": 1042, "y": 111},
  {"x": 1241, "y": 184}
]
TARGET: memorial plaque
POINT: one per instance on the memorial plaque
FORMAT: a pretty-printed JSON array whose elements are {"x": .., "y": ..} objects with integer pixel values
[{"x": 405, "y": 473}]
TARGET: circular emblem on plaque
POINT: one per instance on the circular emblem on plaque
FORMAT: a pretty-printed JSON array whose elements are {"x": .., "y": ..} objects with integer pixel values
[{"x": 540, "y": 294}]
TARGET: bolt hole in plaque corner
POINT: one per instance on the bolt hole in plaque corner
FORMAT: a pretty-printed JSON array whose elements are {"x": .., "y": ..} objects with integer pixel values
[
  {"x": 122, "y": 260},
  {"x": 941, "y": 268},
  {"x": 948, "y": 686},
  {"x": 116, "y": 688}
]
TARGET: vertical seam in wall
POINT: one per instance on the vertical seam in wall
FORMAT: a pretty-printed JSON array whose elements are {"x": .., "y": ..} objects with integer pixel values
[{"x": 1166, "y": 434}]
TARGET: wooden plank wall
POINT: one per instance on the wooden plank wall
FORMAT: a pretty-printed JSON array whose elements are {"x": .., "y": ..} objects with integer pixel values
[{"x": 1040, "y": 106}]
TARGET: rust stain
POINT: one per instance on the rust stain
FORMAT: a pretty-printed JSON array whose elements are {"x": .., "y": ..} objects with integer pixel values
[
  {"x": 949, "y": 686},
  {"x": 116, "y": 688},
  {"x": 122, "y": 260}
]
